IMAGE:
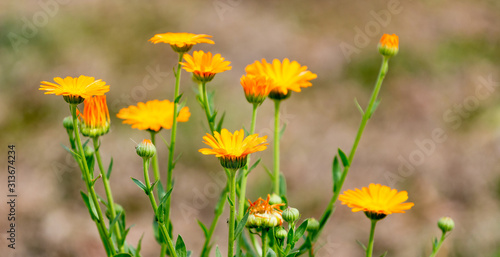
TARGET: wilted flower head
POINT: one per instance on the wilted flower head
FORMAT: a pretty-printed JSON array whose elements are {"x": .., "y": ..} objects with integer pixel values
[{"x": 264, "y": 215}]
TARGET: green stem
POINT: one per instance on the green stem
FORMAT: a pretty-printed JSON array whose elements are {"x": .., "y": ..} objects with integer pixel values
[
  {"x": 232, "y": 211},
  {"x": 205, "y": 251},
  {"x": 369, "y": 249},
  {"x": 88, "y": 182},
  {"x": 243, "y": 186},
  {"x": 156, "y": 168},
  {"x": 163, "y": 251},
  {"x": 173, "y": 135},
  {"x": 151, "y": 196},
  {"x": 109, "y": 195},
  {"x": 436, "y": 249},
  {"x": 366, "y": 116},
  {"x": 276, "y": 177},
  {"x": 206, "y": 106},
  {"x": 264, "y": 241}
]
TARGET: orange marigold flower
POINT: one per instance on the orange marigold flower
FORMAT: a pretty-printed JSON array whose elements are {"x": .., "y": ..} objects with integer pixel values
[
  {"x": 95, "y": 119},
  {"x": 389, "y": 45},
  {"x": 181, "y": 42},
  {"x": 152, "y": 115},
  {"x": 264, "y": 215},
  {"x": 286, "y": 76},
  {"x": 75, "y": 90},
  {"x": 376, "y": 201},
  {"x": 232, "y": 149},
  {"x": 204, "y": 66},
  {"x": 256, "y": 87}
]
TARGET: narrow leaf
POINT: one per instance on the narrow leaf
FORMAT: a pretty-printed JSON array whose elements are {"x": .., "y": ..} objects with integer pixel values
[
  {"x": 221, "y": 121},
  {"x": 217, "y": 252},
  {"x": 178, "y": 98},
  {"x": 253, "y": 167},
  {"x": 269, "y": 173},
  {"x": 241, "y": 226},
  {"x": 139, "y": 244},
  {"x": 336, "y": 173},
  {"x": 282, "y": 184},
  {"x": 108, "y": 174},
  {"x": 374, "y": 107},
  {"x": 361, "y": 244},
  {"x": 300, "y": 231},
  {"x": 180, "y": 247},
  {"x": 343, "y": 158},
  {"x": 230, "y": 201},
  {"x": 219, "y": 208},
  {"x": 204, "y": 228},
  {"x": 123, "y": 255},
  {"x": 383, "y": 255},
  {"x": 270, "y": 253},
  {"x": 141, "y": 185},
  {"x": 359, "y": 107},
  {"x": 90, "y": 207},
  {"x": 282, "y": 131}
]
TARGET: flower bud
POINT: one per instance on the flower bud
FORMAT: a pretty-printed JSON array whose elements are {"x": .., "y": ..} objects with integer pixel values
[
  {"x": 312, "y": 225},
  {"x": 389, "y": 45},
  {"x": 68, "y": 123},
  {"x": 446, "y": 224},
  {"x": 146, "y": 149},
  {"x": 290, "y": 214},
  {"x": 88, "y": 151},
  {"x": 281, "y": 233},
  {"x": 275, "y": 199}
]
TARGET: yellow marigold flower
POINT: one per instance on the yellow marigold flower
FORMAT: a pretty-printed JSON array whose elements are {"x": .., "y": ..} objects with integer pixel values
[
  {"x": 256, "y": 87},
  {"x": 376, "y": 201},
  {"x": 389, "y": 45},
  {"x": 75, "y": 90},
  {"x": 152, "y": 115},
  {"x": 232, "y": 149},
  {"x": 286, "y": 76},
  {"x": 204, "y": 66},
  {"x": 95, "y": 119},
  {"x": 264, "y": 215},
  {"x": 181, "y": 42}
]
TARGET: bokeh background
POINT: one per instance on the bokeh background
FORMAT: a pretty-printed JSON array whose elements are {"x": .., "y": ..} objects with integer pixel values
[{"x": 435, "y": 133}]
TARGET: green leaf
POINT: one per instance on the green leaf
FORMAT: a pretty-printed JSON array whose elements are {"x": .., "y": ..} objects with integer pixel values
[
  {"x": 123, "y": 255},
  {"x": 90, "y": 207},
  {"x": 203, "y": 227},
  {"x": 282, "y": 130},
  {"x": 160, "y": 213},
  {"x": 253, "y": 167},
  {"x": 151, "y": 188},
  {"x": 221, "y": 121},
  {"x": 166, "y": 196},
  {"x": 114, "y": 221},
  {"x": 269, "y": 173},
  {"x": 139, "y": 244},
  {"x": 75, "y": 154},
  {"x": 361, "y": 244},
  {"x": 336, "y": 173},
  {"x": 92, "y": 183},
  {"x": 229, "y": 200},
  {"x": 241, "y": 226},
  {"x": 161, "y": 190},
  {"x": 217, "y": 252},
  {"x": 343, "y": 158},
  {"x": 300, "y": 231},
  {"x": 292, "y": 254},
  {"x": 374, "y": 107},
  {"x": 359, "y": 107},
  {"x": 219, "y": 208},
  {"x": 383, "y": 255},
  {"x": 141, "y": 185},
  {"x": 178, "y": 98},
  {"x": 108, "y": 174},
  {"x": 270, "y": 253},
  {"x": 156, "y": 232},
  {"x": 282, "y": 184},
  {"x": 180, "y": 247}
]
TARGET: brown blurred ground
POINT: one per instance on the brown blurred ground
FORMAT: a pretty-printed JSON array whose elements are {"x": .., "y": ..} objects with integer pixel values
[{"x": 446, "y": 49}]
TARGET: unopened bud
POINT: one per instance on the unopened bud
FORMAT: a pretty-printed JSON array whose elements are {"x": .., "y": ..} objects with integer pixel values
[
  {"x": 68, "y": 123},
  {"x": 290, "y": 214},
  {"x": 281, "y": 233},
  {"x": 312, "y": 225},
  {"x": 446, "y": 224},
  {"x": 275, "y": 199},
  {"x": 146, "y": 149}
]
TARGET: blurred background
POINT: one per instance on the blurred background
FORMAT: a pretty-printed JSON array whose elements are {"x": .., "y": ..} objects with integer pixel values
[{"x": 435, "y": 132}]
